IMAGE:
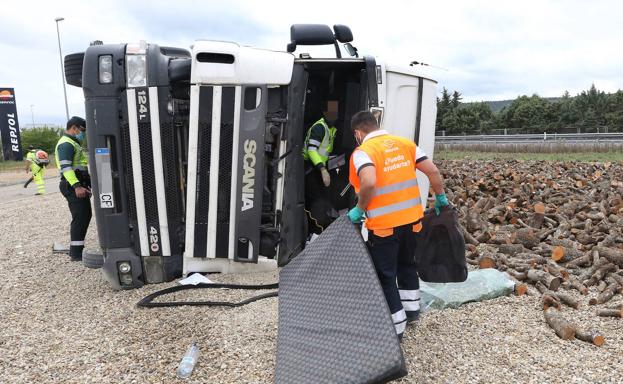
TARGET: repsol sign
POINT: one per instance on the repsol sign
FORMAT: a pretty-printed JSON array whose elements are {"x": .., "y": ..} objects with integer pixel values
[
  {"x": 248, "y": 176},
  {"x": 9, "y": 126}
]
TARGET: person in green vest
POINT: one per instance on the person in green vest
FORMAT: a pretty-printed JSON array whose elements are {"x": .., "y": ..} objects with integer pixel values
[
  {"x": 317, "y": 147},
  {"x": 75, "y": 183},
  {"x": 36, "y": 165}
]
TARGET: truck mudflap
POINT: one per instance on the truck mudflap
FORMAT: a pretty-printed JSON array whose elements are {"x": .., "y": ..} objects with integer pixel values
[
  {"x": 225, "y": 173},
  {"x": 334, "y": 323}
]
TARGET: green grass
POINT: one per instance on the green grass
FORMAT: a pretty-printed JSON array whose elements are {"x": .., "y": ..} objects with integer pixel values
[
  {"x": 11, "y": 165},
  {"x": 612, "y": 156}
]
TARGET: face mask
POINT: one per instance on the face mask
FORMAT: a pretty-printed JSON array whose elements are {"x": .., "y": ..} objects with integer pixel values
[{"x": 80, "y": 136}]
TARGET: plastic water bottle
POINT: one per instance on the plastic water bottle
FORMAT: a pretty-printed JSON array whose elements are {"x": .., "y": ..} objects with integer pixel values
[{"x": 188, "y": 362}]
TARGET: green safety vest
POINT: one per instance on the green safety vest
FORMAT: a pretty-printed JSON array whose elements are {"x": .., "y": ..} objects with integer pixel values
[
  {"x": 80, "y": 160},
  {"x": 31, "y": 155},
  {"x": 324, "y": 148}
]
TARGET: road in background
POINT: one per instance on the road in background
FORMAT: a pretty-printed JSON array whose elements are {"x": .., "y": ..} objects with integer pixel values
[{"x": 17, "y": 192}]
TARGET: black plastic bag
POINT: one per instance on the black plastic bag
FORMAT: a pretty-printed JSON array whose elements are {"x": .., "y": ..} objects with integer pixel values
[{"x": 440, "y": 251}]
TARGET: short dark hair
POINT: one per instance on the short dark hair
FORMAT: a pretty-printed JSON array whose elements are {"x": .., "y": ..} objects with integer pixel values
[
  {"x": 364, "y": 121},
  {"x": 77, "y": 121}
]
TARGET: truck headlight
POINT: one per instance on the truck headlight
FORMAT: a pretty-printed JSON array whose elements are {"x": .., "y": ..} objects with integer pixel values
[
  {"x": 136, "y": 68},
  {"x": 105, "y": 69},
  {"x": 124, "y": 267}
]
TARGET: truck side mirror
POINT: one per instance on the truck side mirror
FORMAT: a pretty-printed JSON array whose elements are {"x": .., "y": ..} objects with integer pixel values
[
  {"x": 351, "y": 50},
  {"x": 343, "y": 34}
]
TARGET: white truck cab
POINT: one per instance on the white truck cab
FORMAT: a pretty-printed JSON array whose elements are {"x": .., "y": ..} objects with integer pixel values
[{"x": 196, "y": 156}]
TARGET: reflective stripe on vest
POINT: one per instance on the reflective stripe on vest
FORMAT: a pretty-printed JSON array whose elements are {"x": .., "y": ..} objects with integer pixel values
[
  {"x": 387, "y": 209},
  {"x": 396, "y": 187},
  {"x": 396, "y": 200}
]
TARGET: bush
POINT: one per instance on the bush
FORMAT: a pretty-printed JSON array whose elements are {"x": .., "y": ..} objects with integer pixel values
[{"x": 44, "y": 138}]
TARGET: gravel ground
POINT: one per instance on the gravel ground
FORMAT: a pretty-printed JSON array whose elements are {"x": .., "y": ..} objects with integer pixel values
[{"x": 62, "y": 323}]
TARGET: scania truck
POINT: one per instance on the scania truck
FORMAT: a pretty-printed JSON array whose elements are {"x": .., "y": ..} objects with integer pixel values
[{"x": 196, "y": 155}]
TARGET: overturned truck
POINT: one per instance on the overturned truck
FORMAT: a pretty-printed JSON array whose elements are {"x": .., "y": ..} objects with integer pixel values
[{"x": 196, "y": 156}]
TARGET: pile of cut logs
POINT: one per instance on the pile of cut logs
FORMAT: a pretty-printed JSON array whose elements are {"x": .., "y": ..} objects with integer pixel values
[{"x": 556, "y": 226}]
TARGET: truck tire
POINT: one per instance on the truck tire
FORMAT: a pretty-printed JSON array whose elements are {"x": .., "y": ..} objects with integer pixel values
[
  {"x": 73, "y": 68},
  {"x": 92, "y": 259}
]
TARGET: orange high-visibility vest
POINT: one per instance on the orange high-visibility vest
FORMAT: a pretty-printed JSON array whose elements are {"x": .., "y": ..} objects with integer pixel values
[{"x": 396, "y": 198}]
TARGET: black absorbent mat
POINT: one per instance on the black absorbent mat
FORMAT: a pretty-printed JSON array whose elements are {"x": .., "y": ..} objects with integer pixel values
[{"x": 334, "y": 323}]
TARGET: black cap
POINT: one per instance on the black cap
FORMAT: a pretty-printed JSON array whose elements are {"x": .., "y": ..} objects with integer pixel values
[
  {"x": 77, "y": 121},
  {"x": 31, "y": 146}
]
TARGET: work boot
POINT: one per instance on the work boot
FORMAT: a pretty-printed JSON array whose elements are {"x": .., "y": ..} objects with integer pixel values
[
  {"x": 413, "y": 316},
  {"x": 38, "y": 194},
  {"x": 75, "y": 258}
]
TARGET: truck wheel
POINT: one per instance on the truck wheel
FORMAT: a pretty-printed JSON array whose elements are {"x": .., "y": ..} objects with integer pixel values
[
  {"x": 92, "y": 259},
  {"x": 73, "y": 69}
]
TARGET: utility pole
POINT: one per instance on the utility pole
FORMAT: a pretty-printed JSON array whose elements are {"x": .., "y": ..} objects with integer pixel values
[{"x": 60, "y": 54}]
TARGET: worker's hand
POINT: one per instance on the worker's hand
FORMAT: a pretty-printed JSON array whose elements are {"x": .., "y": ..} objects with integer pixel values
[
  {"x": 81, "y": 192},
  {"x": 326, "y": 177},
  {"x": 440, "y": 201},
  {"x": 356, "y": 215}
]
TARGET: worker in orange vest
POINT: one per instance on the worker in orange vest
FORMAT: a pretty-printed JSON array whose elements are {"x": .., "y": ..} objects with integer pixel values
[{"x": 383, "y": 172}]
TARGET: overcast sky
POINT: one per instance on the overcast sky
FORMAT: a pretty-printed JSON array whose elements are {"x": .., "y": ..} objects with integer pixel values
[{"x": 490, "y": 50}]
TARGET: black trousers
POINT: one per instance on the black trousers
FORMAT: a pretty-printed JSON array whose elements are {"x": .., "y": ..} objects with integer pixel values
[
  {"x": 394, "y": 259},
  {"x": 80, "y": 218},
  {"x": 320, "y": 212}
]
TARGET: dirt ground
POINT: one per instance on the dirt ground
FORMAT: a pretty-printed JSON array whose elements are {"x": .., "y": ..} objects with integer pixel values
[{"x": 62, "y": 323}]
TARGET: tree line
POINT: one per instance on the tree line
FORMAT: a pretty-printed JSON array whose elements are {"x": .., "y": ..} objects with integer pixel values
[{"x": 589, "y": 111}]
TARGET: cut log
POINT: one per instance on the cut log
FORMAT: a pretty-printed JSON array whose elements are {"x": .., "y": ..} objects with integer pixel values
[
  {"x": 550, "y": 302},
  {"x": 564, "y": 251},
  {"x": 610, "y": 313},
  {"x": 606, "y": 295},
  {"x": 568, "y": 300},
  {"x": 602, "y": 286},
  {"x": 617, "y": 278},
  {"x": 468, "y": 237},
  {"x": 560, "y": 296},
  {"x": 578, "y": 286},
  {"x": 536, "y": 220},
  {"x": 473, "y": 222},
  {"x": 546, "y": 232},
  {"x": 551, "y": 282},
  {"x": 511, "y": 249},
  {"x": 599, "y": 274},
  {"x": 486, "y": 261},
  {"x": 612, "y": 254},
  {"x": 555, "y": 270},
  {"x": 590, "y": 336},
  {"x": 521, "y": 276},
  {"x": 483, "y": 237},
  {"x": 564, "y": 329},
  {"x": 583, "y": 261},
  {"x": 520, "y": 289},
  {"x": 595, "y": 254},
  {"x": 591, "y": 271},
  {"x": 471, "y": 261},
  {"x": 527, "y": 237},
  {"x": 503, "y": 237}
]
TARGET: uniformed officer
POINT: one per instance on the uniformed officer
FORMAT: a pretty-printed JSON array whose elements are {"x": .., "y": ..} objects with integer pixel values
[
  {"x": 75, "y": 182},
  {"x": 316, "y": 150},
  {"x": 36, "y": 167},
  {"x": 383, "y": 172}
]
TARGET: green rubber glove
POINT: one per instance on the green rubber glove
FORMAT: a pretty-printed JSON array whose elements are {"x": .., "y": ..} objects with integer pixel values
[
  {"x": 440, "y": 201},
  {"x": 356, "y": 215}
]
